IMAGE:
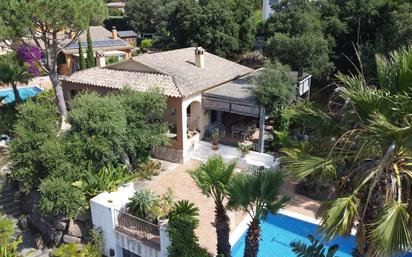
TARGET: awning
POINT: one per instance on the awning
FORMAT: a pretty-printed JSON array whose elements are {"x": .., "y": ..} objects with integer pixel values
[{"x": 235, "y": 97}]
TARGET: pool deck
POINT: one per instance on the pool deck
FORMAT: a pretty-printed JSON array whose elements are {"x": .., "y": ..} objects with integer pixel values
[{"x": 177, "y": 178}]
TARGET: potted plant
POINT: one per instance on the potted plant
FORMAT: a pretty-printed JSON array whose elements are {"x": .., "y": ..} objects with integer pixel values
[
  {"x": 217, "y": 135},
  {"x": 244, "y": 147}
]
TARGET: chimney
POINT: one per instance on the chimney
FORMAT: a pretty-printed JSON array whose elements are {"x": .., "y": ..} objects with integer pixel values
[
  {"x": 114, "y": 32},
  {"x": 200, "y": 57},
  {"x": 100, "y": 59}
]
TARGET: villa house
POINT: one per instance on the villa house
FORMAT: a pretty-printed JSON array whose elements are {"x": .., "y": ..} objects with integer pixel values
[
  {"x": 105, "y": 43},
  {"x": 204, "y": 92}
]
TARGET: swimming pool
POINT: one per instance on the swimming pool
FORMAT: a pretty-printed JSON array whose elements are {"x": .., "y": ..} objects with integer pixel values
[
  {"x": 25, "y": 92},
  {"x": 279, "y": 230}
]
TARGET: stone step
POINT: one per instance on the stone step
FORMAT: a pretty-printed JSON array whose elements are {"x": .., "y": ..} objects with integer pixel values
[
  {"x": 12, "y": 210},
  {"x": 7, "y": 204},
  {"x": 9, "y": 194}
]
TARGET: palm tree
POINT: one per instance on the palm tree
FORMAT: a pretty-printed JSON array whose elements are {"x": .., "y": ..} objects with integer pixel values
[
  {"x": 315, "y": 249},
  {"x": 367, "y": 156},
  {"x": 12, "y": 72},
  {"x": 213, "y": 178},
  {"x": 256, "y": 193}
]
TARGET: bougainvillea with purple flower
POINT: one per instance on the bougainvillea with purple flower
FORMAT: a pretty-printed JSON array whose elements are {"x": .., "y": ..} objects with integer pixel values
[{"x": 31, "y": 55}]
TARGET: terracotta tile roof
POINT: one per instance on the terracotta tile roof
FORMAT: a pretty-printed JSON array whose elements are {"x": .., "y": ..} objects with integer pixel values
[
  {"x": 180, "y": 64},
  {"x": 175, "y": 66},
  {"x": 140, "y": 81},
  {"x": 102, "y": 41}
]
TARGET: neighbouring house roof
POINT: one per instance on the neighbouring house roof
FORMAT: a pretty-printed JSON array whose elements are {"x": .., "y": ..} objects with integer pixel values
[
  {"x": 102, "y": 40},
  {"x": 126, "y": 33},
  {"x": 178, "y": 66},
  {"x": 104, "y": 77}
]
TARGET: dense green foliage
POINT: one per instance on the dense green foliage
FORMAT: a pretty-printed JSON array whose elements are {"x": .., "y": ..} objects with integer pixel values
[
  {"x": 182, "y": 224},
  {"x": 6, "y": 230},
  {"x": 105, "y": 132},
  {"x": 8, "y": 118},
  {"x": 99, "y": 125},
  {"x": 58, "y": 197},
  {"x": 40, "y": 22},
  {"x": 295, "y": 37},
  {"x": 11, "y": 249},
  {"x": 90, "y": 60},
  {"x": 109, "y": 178},
  {"x": 364, "y": 150},
  {"x": 143, "y": 15},
  {"x": 13, "y": 71},
  {"x": 276, "y": 87},
  {"x": 36, "y": 125},
  {"x": 223, "y": 27}
]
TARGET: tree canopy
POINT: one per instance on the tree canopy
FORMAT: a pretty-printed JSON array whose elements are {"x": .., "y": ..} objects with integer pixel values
[
  {"x": 51, "y": 25},
  {"x": 296, "y": 37},
  {"x": 276, "y": 89}
]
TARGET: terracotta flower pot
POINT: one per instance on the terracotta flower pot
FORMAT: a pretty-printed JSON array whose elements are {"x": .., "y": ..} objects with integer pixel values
[{"x": 215, "y": 146}]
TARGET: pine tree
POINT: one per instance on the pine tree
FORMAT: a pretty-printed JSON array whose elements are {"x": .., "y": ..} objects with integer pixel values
[
  {"x": 90, "y": 62},
  {"x": 82, "y": 62}
]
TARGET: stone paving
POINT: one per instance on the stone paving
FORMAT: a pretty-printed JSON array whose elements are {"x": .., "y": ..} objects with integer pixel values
[{"x": 183, "y": 186}]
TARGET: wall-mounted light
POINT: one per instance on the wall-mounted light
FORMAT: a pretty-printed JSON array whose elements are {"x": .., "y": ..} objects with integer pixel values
[{"x": 111, "y": 252}]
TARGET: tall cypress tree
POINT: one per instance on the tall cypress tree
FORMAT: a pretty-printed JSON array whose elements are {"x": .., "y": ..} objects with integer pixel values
[
  {"x": 82, "y": 62},
  {"x": 90, "y": 62}
]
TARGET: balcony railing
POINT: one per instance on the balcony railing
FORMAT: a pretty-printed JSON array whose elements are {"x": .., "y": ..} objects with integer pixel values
[{"x": 138, "y": 228}]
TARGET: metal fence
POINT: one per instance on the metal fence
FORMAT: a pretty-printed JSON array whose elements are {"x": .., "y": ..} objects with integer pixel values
[{"x": 138, "y": 228}]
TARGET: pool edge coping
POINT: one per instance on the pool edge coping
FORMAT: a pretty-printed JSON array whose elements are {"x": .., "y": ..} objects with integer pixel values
[{"x": 7, "y": 88}]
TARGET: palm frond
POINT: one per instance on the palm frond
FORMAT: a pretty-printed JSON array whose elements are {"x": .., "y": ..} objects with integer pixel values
[
  {"x": 339, "y": 218},
  {"x": 391, "y": 232},
  {"x": 306, "y": 165},
  {"x": 395, "y": 72}
]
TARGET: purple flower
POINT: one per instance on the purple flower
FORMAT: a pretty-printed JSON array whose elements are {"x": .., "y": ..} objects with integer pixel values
[{"x": 31, "y": 55}]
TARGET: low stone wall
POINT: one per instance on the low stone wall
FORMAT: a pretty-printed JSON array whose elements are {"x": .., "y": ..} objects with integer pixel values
[
  {"x": 53, "y": 230},
  {"x": 167, "y": 154}
]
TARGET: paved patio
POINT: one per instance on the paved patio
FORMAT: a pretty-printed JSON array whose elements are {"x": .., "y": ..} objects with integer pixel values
[{"x": 183, "y": 186}]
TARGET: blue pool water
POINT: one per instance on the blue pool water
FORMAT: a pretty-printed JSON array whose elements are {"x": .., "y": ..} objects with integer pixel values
[
  {"x": 279, "y": 230},
  {"x": 25, "y": 92}
]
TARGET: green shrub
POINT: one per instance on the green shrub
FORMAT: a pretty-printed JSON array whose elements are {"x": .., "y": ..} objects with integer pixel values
[
  {"x": 146, "y": 44},
  {"x": 276, "y": 89},
  {"x": 7, "y": 118},
  {"x": 149, "y": 206},
  {"x": 11, "y": 249},
  {"x": 46, "y": 97},
  {"x": 99, "y": 122},
  {"x": 145, "y": 125},
  {"x": 182, "y": 225},
  {"x": 108, "y": 179},
  {"x": 59, "y": 197},
  {"x": 149, "y": 168},
  {"x": 36, "y": 124},
  {"x": 6, "y": 230}
]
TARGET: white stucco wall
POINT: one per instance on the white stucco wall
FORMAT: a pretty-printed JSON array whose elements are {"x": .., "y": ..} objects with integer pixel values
[
  {"x": 103, "y": 208},
  {"x": 188, "y": 145}
]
